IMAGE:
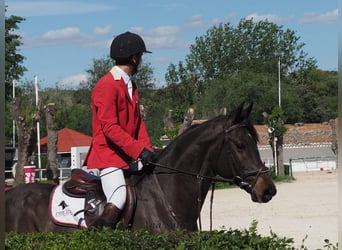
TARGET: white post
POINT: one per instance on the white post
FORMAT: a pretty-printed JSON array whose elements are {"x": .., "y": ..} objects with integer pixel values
[
  {"x": 279, "y": 92},
  {"x": 38, "y": 130},
  {"x": 275, "y": 156},
  {"x": 13, "y": 137}
]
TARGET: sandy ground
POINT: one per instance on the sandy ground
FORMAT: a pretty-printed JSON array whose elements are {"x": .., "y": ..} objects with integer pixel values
[{"x": 307, "y": 206}]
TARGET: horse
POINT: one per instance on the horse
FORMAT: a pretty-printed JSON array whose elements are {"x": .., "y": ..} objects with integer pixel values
[{"x": 170, "y": 196}]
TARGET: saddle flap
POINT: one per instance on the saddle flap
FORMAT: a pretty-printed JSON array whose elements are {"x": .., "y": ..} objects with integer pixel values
[
  {"x": 129, "y": 209},
  {"x": 94, "y": 198}
]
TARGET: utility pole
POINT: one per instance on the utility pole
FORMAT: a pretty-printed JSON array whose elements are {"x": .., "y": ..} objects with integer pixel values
[
  {"x": 38, "y": 130},
  {"x": 277, "y": 54},
  {"x": 13, "y": 95}
]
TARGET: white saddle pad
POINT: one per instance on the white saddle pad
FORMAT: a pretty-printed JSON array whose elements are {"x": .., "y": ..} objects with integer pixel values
[{"x": 66, "y": 210}]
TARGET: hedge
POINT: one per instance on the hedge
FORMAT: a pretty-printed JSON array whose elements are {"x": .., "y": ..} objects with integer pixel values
[{"x": 144, "y": 240}]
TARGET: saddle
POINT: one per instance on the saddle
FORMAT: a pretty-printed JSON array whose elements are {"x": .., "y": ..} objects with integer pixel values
[{"x": 84, "y": 185}]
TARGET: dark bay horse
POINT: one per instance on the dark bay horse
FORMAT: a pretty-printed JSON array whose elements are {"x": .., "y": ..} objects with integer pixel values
[{"x": 171, "y": 197}]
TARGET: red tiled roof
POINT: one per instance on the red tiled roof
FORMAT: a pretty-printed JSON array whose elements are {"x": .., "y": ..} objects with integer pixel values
[
  {"x": 67, "y": 138},
  {"x": 306, "y": 133}
]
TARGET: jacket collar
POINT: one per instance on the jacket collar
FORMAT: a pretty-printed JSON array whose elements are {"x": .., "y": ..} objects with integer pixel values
[
  {"x": 117, "y": 76},
  {"x": 115, "y": 73}
]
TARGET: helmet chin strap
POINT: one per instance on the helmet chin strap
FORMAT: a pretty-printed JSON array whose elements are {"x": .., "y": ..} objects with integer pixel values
[
  {"x": 132, "y": 62},
  {"x": 135, "y": 69},
  {"x": 135, "y": 62}
]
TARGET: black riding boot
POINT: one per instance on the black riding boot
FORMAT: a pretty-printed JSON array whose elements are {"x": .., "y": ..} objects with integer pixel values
[{"x": 109, "y": 218}]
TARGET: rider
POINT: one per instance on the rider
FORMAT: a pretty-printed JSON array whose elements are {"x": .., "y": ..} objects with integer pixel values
[{"x": 119, "y": 133}]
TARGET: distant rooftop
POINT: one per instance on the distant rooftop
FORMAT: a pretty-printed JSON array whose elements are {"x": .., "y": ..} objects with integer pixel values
[{"x": 301, "y": 133}]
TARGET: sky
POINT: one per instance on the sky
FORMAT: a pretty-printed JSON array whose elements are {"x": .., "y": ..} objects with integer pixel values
[{"x": 62, "y": 38}]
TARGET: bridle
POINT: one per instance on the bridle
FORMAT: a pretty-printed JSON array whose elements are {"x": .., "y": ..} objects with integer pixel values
[{"x": 238, "y": 179}]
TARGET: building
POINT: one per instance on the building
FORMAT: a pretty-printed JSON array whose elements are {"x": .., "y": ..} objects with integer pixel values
[
  {"x": 307, "y": 147},
  {"x": 71, "y": 147}
]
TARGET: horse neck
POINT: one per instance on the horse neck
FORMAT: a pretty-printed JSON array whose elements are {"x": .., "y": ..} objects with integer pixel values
[
  {"x": 189, "y": 162},
  {"x": 193, "y": 150}
]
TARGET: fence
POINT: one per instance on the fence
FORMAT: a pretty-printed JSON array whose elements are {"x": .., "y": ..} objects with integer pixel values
[
  {"x": 313, "y": 164},
  {"x": 64, "y": 173}
]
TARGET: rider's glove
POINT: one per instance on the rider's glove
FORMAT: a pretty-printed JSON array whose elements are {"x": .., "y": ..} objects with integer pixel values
[{"x": 147, "y": 157}]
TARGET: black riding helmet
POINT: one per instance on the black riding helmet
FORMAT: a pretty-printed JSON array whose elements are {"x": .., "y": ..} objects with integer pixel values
[{"x": 126, "y": 45}]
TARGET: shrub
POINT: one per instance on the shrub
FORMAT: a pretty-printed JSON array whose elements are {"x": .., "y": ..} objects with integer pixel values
[{"x": 144, "y": 240}]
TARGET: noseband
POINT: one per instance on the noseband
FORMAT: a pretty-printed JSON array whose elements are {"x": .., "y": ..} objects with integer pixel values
[{"x": 248, "y": 187}]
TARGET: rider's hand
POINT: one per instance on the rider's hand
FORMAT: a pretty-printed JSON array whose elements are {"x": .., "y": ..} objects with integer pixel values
[{"x": 147, "y": 157}]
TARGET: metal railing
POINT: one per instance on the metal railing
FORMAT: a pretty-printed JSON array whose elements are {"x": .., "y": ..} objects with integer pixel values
[{"x": 64, "y": 174}]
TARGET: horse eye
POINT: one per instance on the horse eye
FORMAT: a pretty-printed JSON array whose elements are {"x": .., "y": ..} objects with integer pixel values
[{"x": 240, "y": 145}]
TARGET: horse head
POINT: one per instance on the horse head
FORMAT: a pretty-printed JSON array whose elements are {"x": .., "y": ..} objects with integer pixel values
[{"x": 239, "y": 158}]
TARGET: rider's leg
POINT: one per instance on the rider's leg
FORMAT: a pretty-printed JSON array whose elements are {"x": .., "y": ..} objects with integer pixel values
[{"x": 114, "y": 188}]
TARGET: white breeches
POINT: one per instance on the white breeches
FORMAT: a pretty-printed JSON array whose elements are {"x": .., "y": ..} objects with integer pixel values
[{"x": 114, "y": 186}]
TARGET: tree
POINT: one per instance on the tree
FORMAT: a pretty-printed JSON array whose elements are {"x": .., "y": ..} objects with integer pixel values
[
  {"x": 226, "y": 53},
  {"x": 13, "y": 66},
  {"x": 229, "y": 65},
  {"x": 145, "y": 81},
  {"x": 318, "y": 94},
  {"x": 26, "y": 114},
  {"x": 250, "y": 46},
  {"x": 98, "y": 69},
  {"x": 52, "y": 133},
  {"x": 277, "y": 130},
  {"x": 13, "y": 60}
]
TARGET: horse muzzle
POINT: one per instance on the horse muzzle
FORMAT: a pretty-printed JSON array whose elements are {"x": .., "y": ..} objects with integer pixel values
[{"x": 263, "y": 190}]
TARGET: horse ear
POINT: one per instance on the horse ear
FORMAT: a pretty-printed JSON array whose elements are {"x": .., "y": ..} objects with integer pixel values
[
  {"x": 246, "y": 112},
  {"x": 235, "y": 115}
]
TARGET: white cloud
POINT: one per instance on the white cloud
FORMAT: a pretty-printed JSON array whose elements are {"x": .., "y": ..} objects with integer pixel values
[
  {"x": 269, "y": 17},
  {"x": 196, "y": 22},
  {"x": 65, "y": 36},
  {"x": 72, "y": 82},
  {"x": 161, "y": 37},
  {"x": 65, "y": 33},
  {"x": 328, "y": 17},
  {"x": 53, "y": 8},
  {"x": 102, "y": 30},
  {"x": 161, "y": 60}
]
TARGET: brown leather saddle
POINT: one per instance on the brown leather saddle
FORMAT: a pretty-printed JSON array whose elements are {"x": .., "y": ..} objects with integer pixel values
[{"x": 84, "y": 185}]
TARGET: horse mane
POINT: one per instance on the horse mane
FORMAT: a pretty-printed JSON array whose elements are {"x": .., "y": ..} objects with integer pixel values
[
  {"x": 195, "y": 130},
  {"x": 194, "y": 127},
  {"x": 251, "y": 129}
]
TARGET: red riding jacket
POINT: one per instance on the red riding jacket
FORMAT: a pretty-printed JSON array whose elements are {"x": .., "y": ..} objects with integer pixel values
[{"x": 119, "y": 132}]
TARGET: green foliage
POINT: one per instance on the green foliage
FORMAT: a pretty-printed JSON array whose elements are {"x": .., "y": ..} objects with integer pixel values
[
  {"x": 73, "y": 109},
  {"x": 275, "y": 120},
  {"x": 226, "y": 50},
  {"x": 318, "y": 94},
  {"x": 171, "y": 134},
  {"x": 225, "y": 66},
  {"x": 98, "y": 69},
  {"x": 13, "y": 60},
  {"x": 141, "y": 239},
  {"x": 286, "y": 177},
  {"x": 229, "y": 65}
]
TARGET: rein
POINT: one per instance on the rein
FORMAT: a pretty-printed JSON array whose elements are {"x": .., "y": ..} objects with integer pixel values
[
  {"x": 237, "y": 180},
  {"x": 199, "y": 176}
]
